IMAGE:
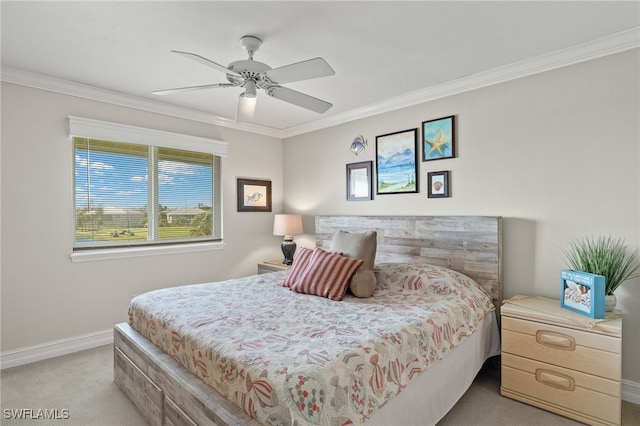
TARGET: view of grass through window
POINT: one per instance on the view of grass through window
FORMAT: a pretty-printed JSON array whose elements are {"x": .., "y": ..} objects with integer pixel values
[{"x": 116, "y": 182}]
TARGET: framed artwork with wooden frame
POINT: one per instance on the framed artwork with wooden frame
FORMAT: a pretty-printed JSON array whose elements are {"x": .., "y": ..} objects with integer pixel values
[
  {"x": 439, "y": 138},
  {"x": 359, "y": 181},
  {"x": 397, "y": 162},
  {"x": 254, "y": 195},
  {"x": 438, "y": 184}
]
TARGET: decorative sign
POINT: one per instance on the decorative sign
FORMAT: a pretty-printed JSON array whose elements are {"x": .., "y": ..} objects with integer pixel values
[{"x": 582, "y": 292}]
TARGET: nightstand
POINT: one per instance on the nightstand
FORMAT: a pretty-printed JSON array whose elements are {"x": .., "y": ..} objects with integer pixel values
[
  {"x": 272, "y": 266},
  {"x": 562, "y": 361}
]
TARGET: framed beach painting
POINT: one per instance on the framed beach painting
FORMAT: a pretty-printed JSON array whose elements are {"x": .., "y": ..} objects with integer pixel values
[
  {"x": 254, "y": 195},
  {"x": 396, "y": 162},
  {"x": 439, "y": 138}
]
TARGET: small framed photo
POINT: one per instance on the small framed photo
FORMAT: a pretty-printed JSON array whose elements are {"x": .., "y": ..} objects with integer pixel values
[
  {"x": 438, "y": 184},
  {"x": 439, "y": 138},
  {"x": 359, "y": 181},
  {"x": 396, "y": 162},
  {"x": 582, "y": 292},
  {"x": 254, "y": 195}
]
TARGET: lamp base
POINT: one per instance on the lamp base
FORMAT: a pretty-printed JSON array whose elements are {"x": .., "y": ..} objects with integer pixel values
[{"x": 288, "y": 249}]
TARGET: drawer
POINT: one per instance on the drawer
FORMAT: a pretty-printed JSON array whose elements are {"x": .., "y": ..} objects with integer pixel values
[
  {"x": 576, "y": 350},
  {"x": 581, "y": 338},
  {"x": 562, "y": 390},
  {"x": 562, "y": 378},
  {"x": 174, "y": 416},
  {"x": 128, "y": 376}
]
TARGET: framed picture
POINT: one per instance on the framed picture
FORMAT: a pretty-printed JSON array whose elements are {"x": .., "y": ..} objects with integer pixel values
[
  {"x": 438, "y": 184},
  {"x": 396, "y": 162},
  {"x": 439, "y": 138},
  {"x": 582, "y": 292},
  {"x": 254, "y": 195},
  {"x": 359, "y": 181}
]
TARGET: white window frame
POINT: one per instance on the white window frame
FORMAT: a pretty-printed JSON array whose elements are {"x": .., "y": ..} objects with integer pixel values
[{"x": 97, "y": 129}]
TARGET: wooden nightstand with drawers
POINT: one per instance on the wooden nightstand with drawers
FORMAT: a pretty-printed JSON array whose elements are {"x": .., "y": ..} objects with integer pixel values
[
  {"x": 561, "y": 361},
  {"x": 272, "y": 266}
]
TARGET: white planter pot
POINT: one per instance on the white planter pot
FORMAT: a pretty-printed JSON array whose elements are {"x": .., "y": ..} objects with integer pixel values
[{"x": 609, "y": 302}]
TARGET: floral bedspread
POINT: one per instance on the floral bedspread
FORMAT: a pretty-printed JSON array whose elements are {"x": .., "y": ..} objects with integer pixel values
[{"x": 288, "y": 358}]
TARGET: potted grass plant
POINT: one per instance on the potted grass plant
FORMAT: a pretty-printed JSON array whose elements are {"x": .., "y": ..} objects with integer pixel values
[{"x": 604, "y": 256}]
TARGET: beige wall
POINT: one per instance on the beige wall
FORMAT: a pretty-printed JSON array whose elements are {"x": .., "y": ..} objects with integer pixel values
[
  {"x": 46, "y": 297},
  {"x": 556, "y": 154}
]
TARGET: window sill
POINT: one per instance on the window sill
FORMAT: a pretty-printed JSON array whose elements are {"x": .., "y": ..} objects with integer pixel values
[{"x": 126, "y": 253}]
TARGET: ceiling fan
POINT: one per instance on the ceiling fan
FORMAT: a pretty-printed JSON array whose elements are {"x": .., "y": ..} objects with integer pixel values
[{"x": 250, "y": 74}]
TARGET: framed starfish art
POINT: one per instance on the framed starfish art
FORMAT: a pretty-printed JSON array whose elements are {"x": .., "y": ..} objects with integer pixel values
[{"x": 439, "y": 138}]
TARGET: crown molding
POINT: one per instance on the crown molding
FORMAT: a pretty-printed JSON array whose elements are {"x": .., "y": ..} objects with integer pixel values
[
  {"x": 71, "y": 88},
  {"x": 598, "y": 48},
  {"x": 615, "y": 43}
]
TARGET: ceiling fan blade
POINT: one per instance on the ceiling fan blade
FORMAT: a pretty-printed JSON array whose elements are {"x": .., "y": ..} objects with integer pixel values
[
  {"x": 305, "y": 70},
  {"x": 299, "y": 99},
  {"x": 205, "y": 61},
  {"x": 246, "y": 108},
  {"x": 190, "y": 88}
]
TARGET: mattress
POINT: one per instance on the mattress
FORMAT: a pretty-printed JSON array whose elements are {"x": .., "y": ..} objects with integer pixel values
[
  {"x": 286, "y": 357},
  {"x": 426, "y": 400}
]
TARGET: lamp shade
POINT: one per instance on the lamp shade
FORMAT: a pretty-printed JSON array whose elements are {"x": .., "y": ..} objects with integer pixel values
[{"x": 287, "y": 224}]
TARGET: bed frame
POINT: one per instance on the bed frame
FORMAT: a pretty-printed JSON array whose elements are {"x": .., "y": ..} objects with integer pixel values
[{"x": 168, "y": 394}]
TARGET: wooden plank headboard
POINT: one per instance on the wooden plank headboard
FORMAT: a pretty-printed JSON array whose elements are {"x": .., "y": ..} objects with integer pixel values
[{"x": 471, "y": 245}]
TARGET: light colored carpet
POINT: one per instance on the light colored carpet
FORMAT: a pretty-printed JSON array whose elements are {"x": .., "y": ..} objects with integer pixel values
[{"x": 82, "y": 384}]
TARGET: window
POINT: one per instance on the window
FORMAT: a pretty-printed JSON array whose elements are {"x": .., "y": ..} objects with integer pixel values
[{"x": 137, "y": 187}]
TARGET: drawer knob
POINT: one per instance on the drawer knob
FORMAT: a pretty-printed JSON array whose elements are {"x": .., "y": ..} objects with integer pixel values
[
  {"x": 555, "y": 379},
  {"x": 555, "y": 340}
]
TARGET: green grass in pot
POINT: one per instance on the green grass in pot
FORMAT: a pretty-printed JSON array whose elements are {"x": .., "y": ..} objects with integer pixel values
[{"x": 604, "y": 256}]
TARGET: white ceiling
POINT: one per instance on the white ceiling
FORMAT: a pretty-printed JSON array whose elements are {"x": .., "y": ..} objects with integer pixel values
[{"x": 385, "y": 54}]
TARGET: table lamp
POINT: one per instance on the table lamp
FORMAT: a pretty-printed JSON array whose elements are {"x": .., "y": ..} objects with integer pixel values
[{"x": 287, "y": 225}]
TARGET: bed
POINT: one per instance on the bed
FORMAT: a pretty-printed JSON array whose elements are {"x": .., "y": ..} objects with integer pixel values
[{"x": 333, "y": 361}]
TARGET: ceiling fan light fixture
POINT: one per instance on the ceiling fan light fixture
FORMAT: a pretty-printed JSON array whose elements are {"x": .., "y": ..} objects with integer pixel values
[{"x": 246, "y": 108}]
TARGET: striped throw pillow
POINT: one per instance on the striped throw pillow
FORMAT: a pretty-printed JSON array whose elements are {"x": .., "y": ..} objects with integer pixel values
[
  {"x": 300, "y": 262},
  {"x": 327, "y": 275}
]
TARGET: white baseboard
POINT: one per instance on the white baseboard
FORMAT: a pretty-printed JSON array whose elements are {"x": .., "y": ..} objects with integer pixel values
[
  {"x": 630, "y": 390},
  {"x": 56, "y": 348}
]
